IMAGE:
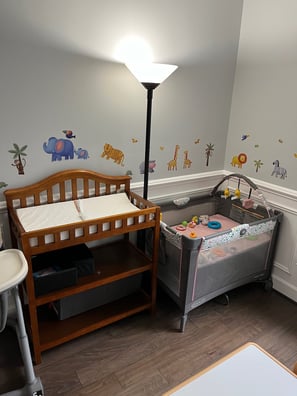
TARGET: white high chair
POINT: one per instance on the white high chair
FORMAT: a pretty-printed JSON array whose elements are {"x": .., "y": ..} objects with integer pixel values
[{"x": 13, "y": 270}]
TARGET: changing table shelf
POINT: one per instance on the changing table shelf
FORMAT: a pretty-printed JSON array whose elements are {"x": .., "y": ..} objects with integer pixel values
[
  {"x": 53, "y": 333},
  {"x": 113, "y": 261}
]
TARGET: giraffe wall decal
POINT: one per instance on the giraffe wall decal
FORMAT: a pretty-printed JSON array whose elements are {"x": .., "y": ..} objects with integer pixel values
[
  {"x": 172, "y": 165},
  {"x": 187, "y": 161}
]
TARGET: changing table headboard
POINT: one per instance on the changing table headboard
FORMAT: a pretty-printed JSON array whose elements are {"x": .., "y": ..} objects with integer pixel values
[{"x": 64, "y": 186}]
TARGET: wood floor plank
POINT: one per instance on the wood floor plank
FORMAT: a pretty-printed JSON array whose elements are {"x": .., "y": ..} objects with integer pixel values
[{"x": 107, "y": 386}]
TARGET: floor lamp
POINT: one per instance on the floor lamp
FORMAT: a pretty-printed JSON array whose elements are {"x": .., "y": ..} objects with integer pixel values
[{"x": 150, "y": 75}]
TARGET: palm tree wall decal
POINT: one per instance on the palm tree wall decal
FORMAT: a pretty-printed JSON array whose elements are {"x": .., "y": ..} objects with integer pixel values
[
  {"x": 19, "y": 162},
  {"x": 208, "y": 152},
  {"x": 258, "y": 164}
]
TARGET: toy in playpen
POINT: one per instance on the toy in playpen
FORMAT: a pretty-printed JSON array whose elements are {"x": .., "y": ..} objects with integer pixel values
[{"x": 235, "y": 246}]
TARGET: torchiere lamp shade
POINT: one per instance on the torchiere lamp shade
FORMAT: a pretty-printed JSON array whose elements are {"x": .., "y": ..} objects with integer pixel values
[{"x": 154, "y": 73}]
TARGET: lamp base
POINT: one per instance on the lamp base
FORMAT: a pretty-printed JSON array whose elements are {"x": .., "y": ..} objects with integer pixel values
[{"x": 150, "y": 85}]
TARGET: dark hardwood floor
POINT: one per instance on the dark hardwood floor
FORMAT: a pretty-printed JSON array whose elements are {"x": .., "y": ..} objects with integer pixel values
[{"x": 145, "y": 355}]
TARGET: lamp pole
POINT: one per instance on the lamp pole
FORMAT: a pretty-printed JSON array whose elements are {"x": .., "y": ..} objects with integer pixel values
[{"x": 150, "y": 88}]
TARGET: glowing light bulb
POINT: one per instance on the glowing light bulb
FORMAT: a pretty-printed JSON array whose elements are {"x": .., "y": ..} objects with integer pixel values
[{"x": 133, "y": 49}]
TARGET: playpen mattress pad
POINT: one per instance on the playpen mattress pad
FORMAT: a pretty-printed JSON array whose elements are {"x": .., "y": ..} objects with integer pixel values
[
  {"x": 62, "y": 213},
  {"x": 200, "y": 230}
]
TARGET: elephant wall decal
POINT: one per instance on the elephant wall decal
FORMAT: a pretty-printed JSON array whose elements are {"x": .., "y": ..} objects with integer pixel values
[
  {"x": 81, "y": 153},
  {"x": 59, "y": 148}
]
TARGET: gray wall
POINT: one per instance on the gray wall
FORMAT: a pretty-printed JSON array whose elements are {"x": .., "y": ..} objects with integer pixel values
[
  {"x": 47, "y": 89},
  {"x": 265, "y": 92}
]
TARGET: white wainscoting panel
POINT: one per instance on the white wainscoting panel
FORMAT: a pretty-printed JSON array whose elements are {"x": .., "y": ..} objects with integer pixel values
[{"x": 285, "y": 200}]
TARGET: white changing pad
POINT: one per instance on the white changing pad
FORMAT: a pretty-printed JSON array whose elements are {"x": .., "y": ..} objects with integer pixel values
[{"x": 61, "y": 213}]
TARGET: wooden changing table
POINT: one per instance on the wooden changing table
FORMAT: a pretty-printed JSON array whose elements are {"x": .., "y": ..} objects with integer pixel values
[{"x": 114, "y": 260}]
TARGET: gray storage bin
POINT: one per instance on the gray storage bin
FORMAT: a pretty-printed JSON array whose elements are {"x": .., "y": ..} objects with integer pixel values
[{"x": 85, "y": 301}]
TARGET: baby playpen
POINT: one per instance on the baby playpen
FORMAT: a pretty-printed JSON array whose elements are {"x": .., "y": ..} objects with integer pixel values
[{"x": 215, "y": 243}]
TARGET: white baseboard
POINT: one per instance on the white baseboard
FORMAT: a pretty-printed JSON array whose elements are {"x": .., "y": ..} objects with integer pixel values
[{"x": 285, "y": 288}]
